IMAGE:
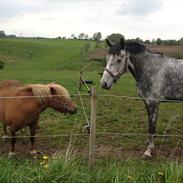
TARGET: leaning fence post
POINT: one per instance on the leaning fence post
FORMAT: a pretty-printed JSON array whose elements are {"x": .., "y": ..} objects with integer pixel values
[{"x": 92, "y": 127}]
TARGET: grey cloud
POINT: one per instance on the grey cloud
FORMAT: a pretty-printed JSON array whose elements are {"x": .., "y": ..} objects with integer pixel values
[
  {"x": 14, "y": 7},
  {"x": 139, "y": 7}
]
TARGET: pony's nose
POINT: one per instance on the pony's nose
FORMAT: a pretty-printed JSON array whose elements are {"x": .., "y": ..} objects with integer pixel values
[{"x": 74, "y": 111}]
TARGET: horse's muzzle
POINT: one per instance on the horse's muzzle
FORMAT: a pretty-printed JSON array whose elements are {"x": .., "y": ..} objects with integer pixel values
[{"x": 105, "y": 86}]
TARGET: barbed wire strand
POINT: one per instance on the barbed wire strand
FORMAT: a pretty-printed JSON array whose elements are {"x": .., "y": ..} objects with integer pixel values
[
  {"x": 98, "y": 95},
  {"x": 97, "y": 134},
  {"x": 83, "y": 107}
]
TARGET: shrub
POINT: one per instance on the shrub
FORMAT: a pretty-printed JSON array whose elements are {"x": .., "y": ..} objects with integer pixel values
[{"x": 1, "y": 65}]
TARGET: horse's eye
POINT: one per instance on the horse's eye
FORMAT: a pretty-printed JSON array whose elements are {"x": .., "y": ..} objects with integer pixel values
[{"x": 118, "y": 61}]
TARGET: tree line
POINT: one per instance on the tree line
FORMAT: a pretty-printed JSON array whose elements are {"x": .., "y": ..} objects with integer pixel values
[{"x": 115, "y": 37}]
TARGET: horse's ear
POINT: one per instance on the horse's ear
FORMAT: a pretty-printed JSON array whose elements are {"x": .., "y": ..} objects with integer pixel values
[
  {"x": 122, "y": 42},
  {"x": 109, "y": 43}
]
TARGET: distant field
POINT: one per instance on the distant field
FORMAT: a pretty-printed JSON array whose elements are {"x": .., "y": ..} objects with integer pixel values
[{"x": 44, "y": 61}]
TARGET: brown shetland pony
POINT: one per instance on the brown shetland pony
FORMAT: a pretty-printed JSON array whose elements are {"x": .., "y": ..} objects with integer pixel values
[{"x": 25, "y": 103}]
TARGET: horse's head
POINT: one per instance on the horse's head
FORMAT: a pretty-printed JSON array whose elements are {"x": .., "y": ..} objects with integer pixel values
[
  {"x": 61, "y": 100},
  {"x": 116, "y": 64}
]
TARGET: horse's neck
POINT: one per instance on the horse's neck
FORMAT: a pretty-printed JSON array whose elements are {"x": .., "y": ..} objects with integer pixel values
[
  {"x": 136, "y": 66},
  {"x": 141, "y": 65}
]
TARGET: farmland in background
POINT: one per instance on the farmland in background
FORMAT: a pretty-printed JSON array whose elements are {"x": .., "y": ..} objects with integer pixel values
[{"x": 46, "y": 60}]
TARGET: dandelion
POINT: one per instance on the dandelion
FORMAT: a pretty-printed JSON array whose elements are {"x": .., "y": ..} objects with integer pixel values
[
  {"x": 161, "y": 173},
  {"x": 45, "y": 166},
  {"x": 130, "y": 178},
  {"x": 35, "y": 157},
  {"x": 45, "y": 157}
]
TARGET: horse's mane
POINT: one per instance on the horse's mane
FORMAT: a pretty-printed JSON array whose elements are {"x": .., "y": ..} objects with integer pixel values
[
  {"x": 44, "y": 92},
  {"x": 131, "y": 47},
  {"x": 135, "y": 48}
]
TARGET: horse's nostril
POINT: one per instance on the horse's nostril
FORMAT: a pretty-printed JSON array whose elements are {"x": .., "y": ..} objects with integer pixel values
[{"x": 105, "y": 84}]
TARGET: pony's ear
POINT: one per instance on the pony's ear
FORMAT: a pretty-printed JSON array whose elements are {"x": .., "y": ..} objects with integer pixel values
[
  {"x": 109, "y": 43},
  {"x": 52, "y": 90},
  {"x": 122, "y": 42}
]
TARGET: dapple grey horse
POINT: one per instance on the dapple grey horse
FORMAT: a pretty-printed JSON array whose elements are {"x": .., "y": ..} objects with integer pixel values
[{"x": 158, "y": 77}]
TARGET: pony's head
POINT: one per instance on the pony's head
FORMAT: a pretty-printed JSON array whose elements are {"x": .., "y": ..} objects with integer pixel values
[
  {"x": 116, "y": 60},
  {"x": 61, "y": 100}
]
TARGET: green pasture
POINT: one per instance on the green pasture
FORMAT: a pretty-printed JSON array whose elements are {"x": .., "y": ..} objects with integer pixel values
[{"x": 49, "y": 60}]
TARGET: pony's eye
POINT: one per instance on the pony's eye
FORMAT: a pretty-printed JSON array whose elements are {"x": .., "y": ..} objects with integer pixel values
[{"x": 118, "y": 61}]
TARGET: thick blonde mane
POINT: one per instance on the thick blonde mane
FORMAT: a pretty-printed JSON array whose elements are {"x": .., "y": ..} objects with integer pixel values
[{"x": 44, "y": 94}]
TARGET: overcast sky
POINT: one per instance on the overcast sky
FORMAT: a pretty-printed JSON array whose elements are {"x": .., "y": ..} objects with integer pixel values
[{"x": 146, "y": 19}]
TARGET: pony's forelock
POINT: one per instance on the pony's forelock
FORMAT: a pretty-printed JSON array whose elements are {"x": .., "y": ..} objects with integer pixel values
[{"x": 60, "y": 90}]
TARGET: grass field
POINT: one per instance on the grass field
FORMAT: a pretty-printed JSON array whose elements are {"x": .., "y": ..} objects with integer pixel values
[{"x": 118, "y": 157}]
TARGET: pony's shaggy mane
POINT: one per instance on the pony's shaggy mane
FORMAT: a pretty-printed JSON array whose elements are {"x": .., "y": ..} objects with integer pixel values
[
  {"x": 44, "y": 92},
  {"x": 41, "y": 91}
]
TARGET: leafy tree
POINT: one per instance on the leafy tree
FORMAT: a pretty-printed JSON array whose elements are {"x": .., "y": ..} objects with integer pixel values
[
  {"x": 97, "y": 36},
  {"x": 81, "y": 36},
  {"x": 72, "y": 36},
  {"x": 2, "y": 34},
  {"x": 138, "y": 40},
  {"x": 115, "y": 37},
  {"x": 158, "y": 41},
  {"x": 147, "y": 41},
  {"x": 86, "y": 36}
]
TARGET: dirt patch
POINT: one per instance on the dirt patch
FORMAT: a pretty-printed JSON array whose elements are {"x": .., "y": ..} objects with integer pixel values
[
  {"x": 98, "y": 54},
  {"x": 49, "y": 148},
  {"x": 172, "y": 51},
  {"x": 7, "y": 58}
]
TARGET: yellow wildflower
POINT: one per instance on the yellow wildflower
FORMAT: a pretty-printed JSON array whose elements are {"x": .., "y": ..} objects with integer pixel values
[
  {"x": 45, "y": 166},
  {"x": 45, "y": 157},
  {"x": 130, "y": 178},
  {"x": 161, "y": 173},
  {"x": 41, "y": 163}
]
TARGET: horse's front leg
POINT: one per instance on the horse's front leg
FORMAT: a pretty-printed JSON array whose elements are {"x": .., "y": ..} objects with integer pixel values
[
  {"x": 152, "y": 111},
  {"x": 5, "y": 133},
  {"x": 33, "y": 128},
  {"x": 13, "y": 141}
]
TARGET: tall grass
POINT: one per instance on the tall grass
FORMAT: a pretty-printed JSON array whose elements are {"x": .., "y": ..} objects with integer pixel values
[{"x": 76, "y": 170}]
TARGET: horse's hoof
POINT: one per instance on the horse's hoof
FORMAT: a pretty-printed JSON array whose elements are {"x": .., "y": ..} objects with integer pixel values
[
  {"x": 4, "y": 138},
  {"x": 33, "y": 152},
  {"x": 146, "y": 156},
  {"x": 11, "y": 154}
]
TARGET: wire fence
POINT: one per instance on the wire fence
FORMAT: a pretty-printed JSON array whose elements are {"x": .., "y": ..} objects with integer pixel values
[{"x": 84, "y": 112}]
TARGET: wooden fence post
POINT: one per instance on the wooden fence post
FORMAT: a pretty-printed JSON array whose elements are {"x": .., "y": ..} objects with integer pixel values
[{"x": 92, "y": 127}]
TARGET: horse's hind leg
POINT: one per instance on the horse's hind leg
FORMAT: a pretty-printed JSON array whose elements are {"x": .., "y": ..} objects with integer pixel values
[
  {"x": 32, "y": 137},
  {"x": 152, "y": 111}
]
